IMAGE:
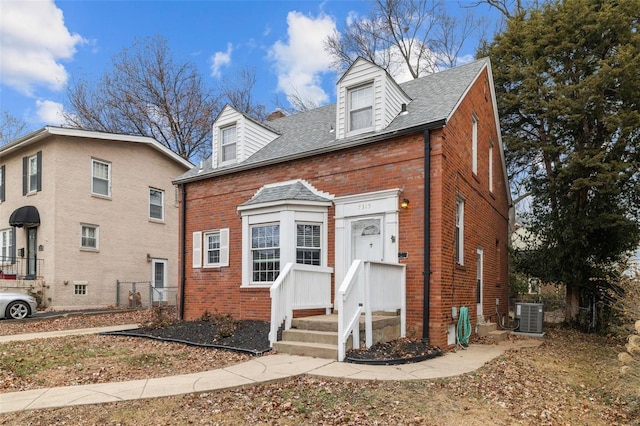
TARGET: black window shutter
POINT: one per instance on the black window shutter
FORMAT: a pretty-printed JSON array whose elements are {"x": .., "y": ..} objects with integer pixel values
[
  {"x": 3, "y": 179},
  {"x": 25, "y": 174},
  {"x": 39, "y": 178}
]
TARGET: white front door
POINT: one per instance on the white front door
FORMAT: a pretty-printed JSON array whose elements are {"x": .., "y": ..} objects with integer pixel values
[
  {"x": 366, "y": 239},
  {"x": 159, "y": 279}
]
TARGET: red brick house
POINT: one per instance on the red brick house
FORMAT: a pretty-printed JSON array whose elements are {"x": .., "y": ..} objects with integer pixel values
[{"x": 396, "y": 190}]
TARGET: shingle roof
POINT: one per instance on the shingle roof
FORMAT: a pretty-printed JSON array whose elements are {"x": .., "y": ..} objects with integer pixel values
[
  {"x": 294, "y": 191},
  {"x": 435, "y": 97}
]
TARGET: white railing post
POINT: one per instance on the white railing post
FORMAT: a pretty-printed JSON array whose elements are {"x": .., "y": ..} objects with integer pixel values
[{"x": 298, "y": 287}]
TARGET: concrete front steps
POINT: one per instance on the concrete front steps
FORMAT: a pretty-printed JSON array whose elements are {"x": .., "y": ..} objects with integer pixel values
[
  {"x": 490, "y": 331},
  {"x": 317, "y": 336}
]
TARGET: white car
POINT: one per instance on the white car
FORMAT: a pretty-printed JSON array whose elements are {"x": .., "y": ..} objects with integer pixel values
[{"x": 17, "y": 305}]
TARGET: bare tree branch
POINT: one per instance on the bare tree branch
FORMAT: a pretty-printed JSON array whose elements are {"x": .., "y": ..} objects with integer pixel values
[{"x": 403, "y": 36}]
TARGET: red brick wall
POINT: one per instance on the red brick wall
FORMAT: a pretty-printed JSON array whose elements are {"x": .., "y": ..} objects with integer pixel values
[
  {"x": 485, "y": 215},
  {"x": 396, "y": 163}
]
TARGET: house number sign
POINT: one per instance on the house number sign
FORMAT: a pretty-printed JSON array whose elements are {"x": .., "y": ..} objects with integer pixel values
[{"x": 364, "y": 206}]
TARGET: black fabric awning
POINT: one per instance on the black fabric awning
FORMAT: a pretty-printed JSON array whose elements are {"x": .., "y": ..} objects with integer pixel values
[{"x": 25, "y": 216}]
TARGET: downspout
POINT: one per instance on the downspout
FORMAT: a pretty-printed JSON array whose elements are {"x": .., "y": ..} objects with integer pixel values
[
  {"x": 183, "y": 239},
  {"x": 426, "y": 275}
]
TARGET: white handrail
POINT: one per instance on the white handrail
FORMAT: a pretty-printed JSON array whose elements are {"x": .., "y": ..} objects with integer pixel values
[
  {"x": 369, "y": 287},
  {"x": 350, "y": 302},
  {"x": 298, "y": 287}
]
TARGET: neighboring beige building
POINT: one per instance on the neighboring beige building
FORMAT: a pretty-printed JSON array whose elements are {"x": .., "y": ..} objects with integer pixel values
[{"x": 80, "y": 210}]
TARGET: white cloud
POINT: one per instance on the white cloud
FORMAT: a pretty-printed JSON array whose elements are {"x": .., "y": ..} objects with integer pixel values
[
  {"x": 33, "y": 42},
  {"x": 50, "y": 112},
  {"x": 301, "y": 60},
  {"x": 220, "y": 59}
]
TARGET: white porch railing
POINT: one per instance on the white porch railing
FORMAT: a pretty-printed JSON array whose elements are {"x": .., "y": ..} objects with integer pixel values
[
  {"x": 369, "y": 287},
  {"x": 298, "y": 287},
  {"x": 350, "y": 304}
]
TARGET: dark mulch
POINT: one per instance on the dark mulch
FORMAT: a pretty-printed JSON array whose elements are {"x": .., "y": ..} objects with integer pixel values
[
  {"x": 253, "y": 337},
  {"x": 400, "y": 351},
  {"x": 245, "y": 336}
]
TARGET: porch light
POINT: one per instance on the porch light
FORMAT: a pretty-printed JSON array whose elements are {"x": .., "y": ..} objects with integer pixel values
[{"x": 404, "y": 204}]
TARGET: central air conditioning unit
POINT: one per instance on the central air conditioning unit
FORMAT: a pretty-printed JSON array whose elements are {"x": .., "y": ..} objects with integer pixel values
[{"x": 531, "y": 317}]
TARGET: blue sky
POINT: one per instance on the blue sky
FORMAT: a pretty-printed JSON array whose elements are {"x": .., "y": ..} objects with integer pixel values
[{"x": 45, "y": 43}]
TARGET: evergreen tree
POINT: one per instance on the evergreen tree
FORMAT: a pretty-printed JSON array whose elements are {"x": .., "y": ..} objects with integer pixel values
[{"x": 567, "y": 78}]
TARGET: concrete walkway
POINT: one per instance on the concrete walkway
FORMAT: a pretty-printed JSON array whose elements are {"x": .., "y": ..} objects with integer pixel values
[{"x": 258, "y": 370}]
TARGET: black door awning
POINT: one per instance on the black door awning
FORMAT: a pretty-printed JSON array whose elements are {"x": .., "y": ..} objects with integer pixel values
[{"x": 25, "y": 216}]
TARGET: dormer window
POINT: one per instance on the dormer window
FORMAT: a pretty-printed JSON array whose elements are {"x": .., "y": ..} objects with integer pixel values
[
  {"x": 228, "y": 142},
  {"x": 361, "y": 108}
]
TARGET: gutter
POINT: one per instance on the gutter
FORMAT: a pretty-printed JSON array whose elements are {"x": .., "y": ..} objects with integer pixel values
[
  {"x": 426, "y": 274},
  {"x": 183, "y": 268}
]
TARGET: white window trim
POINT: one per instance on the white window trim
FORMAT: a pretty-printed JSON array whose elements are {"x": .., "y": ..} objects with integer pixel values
[
  {"x": 320, "y": 248},
  {"x": 224, "y": 248},
  {"x": 83, "y": 286},
  {"x": 251, "y": 250},
  {"x": 30, "y": 172},
  {"x": 286, "y": 215},
  {"x": 97, "y": 237},
  {"x": 161, "y": 218},
  {"x": 474, "y": 144},
  {"x": 348, "y": 109},
  {"x": 222, "y": 129},
  {"x": 6, "y": 235},
  {"x": 459, "y": 224},
  {"x": 108, "y": 164},
  {"x": 491, "y": 167}
]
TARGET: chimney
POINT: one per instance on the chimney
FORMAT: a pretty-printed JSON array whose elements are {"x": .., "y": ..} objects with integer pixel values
[{"x": 275, "y": 115}]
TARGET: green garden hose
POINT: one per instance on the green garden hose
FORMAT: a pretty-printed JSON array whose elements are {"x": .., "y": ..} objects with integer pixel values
[{"x": 464, "y": 328}]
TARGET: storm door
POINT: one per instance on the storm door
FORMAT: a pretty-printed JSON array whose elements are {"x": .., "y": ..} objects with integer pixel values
[
  {"x": 32, "y": 253},
  {"x": 366, "y": 239}
]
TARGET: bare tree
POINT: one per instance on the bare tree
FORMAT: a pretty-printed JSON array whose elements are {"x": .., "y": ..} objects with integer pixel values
[
  {"x": 11, "y": 128},
  {"x": 414, "y": 35},
  {"x": 147, "y": 93},
  {"x": 238, "y": 93}
]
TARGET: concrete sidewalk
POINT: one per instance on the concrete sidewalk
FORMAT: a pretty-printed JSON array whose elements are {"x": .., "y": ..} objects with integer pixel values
[{"x": 258, "y": 370}]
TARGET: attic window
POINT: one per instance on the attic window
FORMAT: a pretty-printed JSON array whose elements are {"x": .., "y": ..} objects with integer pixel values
[
  {"x": 228, "y": 144},
  {"x": 361, "y": 108}
]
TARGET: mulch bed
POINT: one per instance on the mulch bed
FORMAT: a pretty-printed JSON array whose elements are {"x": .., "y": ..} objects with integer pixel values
[
  {"x": 252, "y": 337},
  {"x": 400, "y": 351},
  {"x": 242, "y": 336}
]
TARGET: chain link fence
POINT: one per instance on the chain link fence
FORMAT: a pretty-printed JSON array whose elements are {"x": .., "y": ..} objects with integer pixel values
[{"x": 142, "y": 294}]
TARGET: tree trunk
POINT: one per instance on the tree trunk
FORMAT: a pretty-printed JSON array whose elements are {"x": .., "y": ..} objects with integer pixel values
[{"x": 572, "y": 301}]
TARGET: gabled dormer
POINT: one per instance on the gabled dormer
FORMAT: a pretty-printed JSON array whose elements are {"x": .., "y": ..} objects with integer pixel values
[
  {"x": 368, "y": 99},
  {"x": 237, "y": 137}
]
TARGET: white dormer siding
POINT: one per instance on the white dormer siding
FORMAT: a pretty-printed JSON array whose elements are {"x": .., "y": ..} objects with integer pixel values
[
  {"x": 387, "y": 100},
  {"x": 250, "y": 136}
]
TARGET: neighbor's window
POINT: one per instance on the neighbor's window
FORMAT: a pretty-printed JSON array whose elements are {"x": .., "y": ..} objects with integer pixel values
[
  {"x": 459, "y": 232},
  {"x": 101, "y": 178},
  {"x": 6, "y": 245},
  {"x": 360, "y": 108},
  {"x": 80, "y": 289},
  {"x": 228, "y": 144},
  {"x": 308, "y": 243},
  {"x": 33, "y": 173},
  {"x": 265, "y": 253},
  {"x": 89, "y": 238},
  {"x": 156, "y": 204}
]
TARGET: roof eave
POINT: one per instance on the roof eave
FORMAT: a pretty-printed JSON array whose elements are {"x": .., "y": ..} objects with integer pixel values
[{"x": 336, "y": 147}]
